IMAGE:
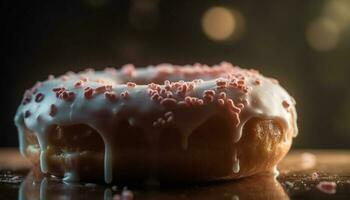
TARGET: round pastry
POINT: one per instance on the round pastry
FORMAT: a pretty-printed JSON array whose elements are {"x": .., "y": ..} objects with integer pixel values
[{"x": 171, "y": 123}]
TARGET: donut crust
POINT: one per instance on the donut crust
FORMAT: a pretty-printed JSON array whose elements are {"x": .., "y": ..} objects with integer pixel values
[{"x": 209, "y": 156}]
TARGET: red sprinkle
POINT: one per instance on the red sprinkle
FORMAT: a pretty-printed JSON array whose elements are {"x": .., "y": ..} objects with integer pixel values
[
  {"x": 209, "y": 92},
  {"x": 112, "y": 96},
  {"x": 232, "y": 106},
  {"x": 124, "y": 94},
  {"x": 79, "y": 84},
  {"x": 128, "y": 70},
  {"x": 327, "y": 187},
  {"x": 131, "y": 84},
  {"x": 39, "y": 97},
  {"x": 88, "y": 93},
  {"x": 222, "y": 95},
  {"x": 67, "y": 96},
  {"x": 168, "y": 102},
  {"x": 100, "y": 89},
  {"x": 285, "y": 104},
  {"x": 221, "y": 102},
  {"x": 53, "y": 110},
  {"x": 58, "y": 89}
]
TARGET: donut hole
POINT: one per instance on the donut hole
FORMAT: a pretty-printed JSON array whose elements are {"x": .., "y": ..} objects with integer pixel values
[{"x": 262, "y": 145}]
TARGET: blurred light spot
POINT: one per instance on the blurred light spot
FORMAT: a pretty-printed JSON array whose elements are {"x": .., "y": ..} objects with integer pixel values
[
  {"x": 322, "y": 34},
  {"x": 338, "y": 11},
  {"x": 143, "y": 14},
  {"x": 219, "y": 23},
  {"x": 96, "y": 3}
]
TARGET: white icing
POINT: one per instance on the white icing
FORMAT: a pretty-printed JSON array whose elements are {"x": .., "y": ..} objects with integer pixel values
[
  {"x": 263, "y": 100},
  {"x": 236, "y": 166}
]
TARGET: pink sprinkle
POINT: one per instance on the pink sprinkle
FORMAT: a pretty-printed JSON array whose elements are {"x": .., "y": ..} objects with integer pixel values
[
  {"x": 285, "y": 104},
  {"x": 100, "y": 89},
  {"x": 209, "y": 92},
  {"x": 208, "y": 98},
  {"x": 128, "y": 70},
  {"x": 182, "y": 103},
  {"x": 168, "y": 102},
  {"x": 232, "y": 106},
  {"x": 240, "y": 105},
  {"x": 117, "y": 197},
  {"x": 39, "y": 97},
  {"x": 124, "y": 94},
  {"x": 156, "y": 97},
  {"x": 222, "y": 95},
  {"x": 236, "y": 119},
  {"x": 220, "y": 82},
  {"x": 58, "y": 89},
  {"x": 50, "y": 77},
  {"x": 53, "y": 110},
  {"x": 155, "y": 124},
  {"x": 199, "y": 102},
  {"x": 110, "y": 70},
  {"x": 112, "y": 96},
  {"x": 127, "y": 195},
  {"x": 221, "y": 102},
  {"x": 88, "y": 92},
  {"x": 131, "y": 84},
  {"x": 67, "y": 96},
  {"x": 327, "y": 187},
  {"x": 170, "y": 119},
  {"x": 84, "y": 78},
  {"x": 189, "y": 100},
  {"x": 240, "y": 82},
  {"x": 314, "y": 176},
  {"x": 79, "y": 84},
  {"x": 168, "y": 114}
]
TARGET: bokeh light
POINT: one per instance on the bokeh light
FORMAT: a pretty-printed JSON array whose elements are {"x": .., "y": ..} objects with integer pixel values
[
  {"x": 339, "y": 12},
  {"x": 323, "y": 34},
  {"x": 220, "y": 23}
]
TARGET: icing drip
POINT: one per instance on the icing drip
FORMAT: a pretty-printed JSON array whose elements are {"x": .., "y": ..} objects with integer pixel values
[
  {"x": 236, "y": 166},
  {"x": 103, "y": 99},
  {"x": 43, "y": 188},
  {"x": 72, "y": 161}
]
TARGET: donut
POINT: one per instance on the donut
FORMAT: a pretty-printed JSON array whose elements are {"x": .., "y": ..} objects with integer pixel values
[{"x": 165, "y": 122}]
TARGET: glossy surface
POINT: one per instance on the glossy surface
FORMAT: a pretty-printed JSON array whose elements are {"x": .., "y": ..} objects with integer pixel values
[{"x": 296, "y": 181}]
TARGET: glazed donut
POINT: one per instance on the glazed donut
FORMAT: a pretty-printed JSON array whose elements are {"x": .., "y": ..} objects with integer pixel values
[{"x": 171, "y": 123}]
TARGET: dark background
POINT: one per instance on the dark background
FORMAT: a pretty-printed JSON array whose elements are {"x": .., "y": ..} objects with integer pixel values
[{"x": 305, "y": 44}]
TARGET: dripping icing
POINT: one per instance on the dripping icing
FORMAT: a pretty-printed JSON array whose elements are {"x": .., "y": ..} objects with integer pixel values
[{"x": 257, "y": 99}]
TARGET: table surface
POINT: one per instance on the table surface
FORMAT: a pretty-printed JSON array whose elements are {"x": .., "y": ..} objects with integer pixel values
[{"x": 301, "y": 174}]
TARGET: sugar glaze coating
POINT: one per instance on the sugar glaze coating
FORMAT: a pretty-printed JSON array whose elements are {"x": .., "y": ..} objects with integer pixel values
[{"x": 187, "y": 97}]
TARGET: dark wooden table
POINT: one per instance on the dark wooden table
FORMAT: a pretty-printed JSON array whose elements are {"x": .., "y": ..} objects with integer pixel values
[{"x": 302, "y": 173}]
